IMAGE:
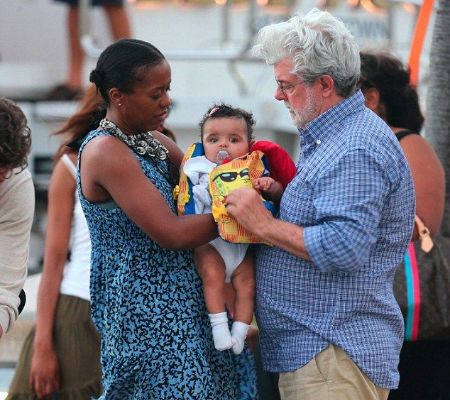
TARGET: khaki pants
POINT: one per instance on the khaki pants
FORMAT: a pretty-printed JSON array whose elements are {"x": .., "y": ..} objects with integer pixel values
[{"x": 330, "y": 375}]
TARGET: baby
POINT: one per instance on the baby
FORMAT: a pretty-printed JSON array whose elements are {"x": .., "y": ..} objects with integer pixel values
[{"x": 226, "y": 133}]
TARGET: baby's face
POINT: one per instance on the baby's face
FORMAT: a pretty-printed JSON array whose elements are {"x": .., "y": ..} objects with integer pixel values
[{"x": 229, "y": 134}]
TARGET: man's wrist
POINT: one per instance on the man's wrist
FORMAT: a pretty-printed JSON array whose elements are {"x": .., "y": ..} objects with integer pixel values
[{"x": 267, "y": 229}]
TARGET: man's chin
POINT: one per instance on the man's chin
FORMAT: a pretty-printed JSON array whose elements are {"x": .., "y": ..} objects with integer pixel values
[{"x": 294, "y": 118}]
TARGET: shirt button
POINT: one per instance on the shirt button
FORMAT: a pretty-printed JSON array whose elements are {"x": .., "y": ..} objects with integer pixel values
[{"x": 318, "y": 141}]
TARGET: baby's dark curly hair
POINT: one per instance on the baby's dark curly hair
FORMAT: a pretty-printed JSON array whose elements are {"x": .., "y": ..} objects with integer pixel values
[
  {"x": 222, "y": 110},
  {"x": 15, "y": 136}
]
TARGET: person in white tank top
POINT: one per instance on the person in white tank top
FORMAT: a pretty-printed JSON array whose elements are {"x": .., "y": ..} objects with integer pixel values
[{"x": 75, "y": 280}]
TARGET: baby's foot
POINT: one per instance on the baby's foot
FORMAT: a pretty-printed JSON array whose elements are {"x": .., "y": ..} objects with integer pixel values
[
  {"x": 221, "y": 333},
  {"x": 238, "y": 335}
]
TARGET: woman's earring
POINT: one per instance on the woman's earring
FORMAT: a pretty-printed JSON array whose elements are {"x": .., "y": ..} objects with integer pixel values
[{"x": 120, "y": 104}]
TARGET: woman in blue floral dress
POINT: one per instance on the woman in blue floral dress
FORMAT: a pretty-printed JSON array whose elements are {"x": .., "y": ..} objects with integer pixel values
[{"x": 147, "y": 300}]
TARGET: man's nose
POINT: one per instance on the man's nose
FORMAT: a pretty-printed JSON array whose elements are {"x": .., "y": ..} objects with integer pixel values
[{"x": 279, "y": 95}]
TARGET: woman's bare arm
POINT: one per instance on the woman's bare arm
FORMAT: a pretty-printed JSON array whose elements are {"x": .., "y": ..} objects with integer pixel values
[
  {"x": 429, "y": 181},
  {"x": 120, "y": 177},
  {"x": 44, "y": 374}
]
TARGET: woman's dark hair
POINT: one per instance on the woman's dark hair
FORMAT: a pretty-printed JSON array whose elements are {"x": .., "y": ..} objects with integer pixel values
[
  {"x": 122, "y": 64},
  {"x": 388, "y": 75},
  {"x": 226, "y": 111},
  {"x": 91, "y": 110},
  {"x": 15, "y": 136}
]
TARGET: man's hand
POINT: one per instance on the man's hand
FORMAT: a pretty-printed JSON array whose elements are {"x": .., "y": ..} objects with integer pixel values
[{"x": 246, "y": 206}]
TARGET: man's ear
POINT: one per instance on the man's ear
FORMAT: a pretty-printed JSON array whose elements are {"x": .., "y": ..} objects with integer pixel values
[
  {"x": 327, "y": 84},
  {"x": 372, "y": 99}
]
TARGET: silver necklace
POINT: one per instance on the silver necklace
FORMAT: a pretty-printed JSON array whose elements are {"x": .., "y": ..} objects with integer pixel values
[{"x": 142, "y": 143}]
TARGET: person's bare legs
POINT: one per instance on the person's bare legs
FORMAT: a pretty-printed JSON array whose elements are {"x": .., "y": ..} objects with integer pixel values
[
  {"x": 243, "y": 281},
  {"x": 119, "y": 26},
  {"x": 118, "y": 21},
  {"x": 76, "y": 54},
  {"x": 211, "y": 268}
]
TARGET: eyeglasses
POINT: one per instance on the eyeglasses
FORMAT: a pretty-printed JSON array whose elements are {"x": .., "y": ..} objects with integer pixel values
[
  {"x": 231, "y": 176},
  {"x": 287, "y": 88}
]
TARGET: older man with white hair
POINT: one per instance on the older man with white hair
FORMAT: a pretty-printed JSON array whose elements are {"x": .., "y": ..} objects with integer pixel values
[{"x": 329, "y": 322}]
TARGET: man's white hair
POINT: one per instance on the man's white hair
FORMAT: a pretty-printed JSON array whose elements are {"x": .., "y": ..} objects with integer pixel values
[{"x": 318, "y": 44}]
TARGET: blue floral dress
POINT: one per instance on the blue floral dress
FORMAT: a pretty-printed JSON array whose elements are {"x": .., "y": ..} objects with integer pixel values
[{"x": 147, "y": 304}]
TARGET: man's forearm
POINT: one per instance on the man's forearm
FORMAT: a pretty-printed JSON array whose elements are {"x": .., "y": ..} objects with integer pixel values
[{"x": 286, "y": 236}]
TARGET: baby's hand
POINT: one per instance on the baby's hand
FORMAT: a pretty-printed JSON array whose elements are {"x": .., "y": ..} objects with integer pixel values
[
  {"x": 263, "y": 183},
  {"x": 269, "y": 187}
]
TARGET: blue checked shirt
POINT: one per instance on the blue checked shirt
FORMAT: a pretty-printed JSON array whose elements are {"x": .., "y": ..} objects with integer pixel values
[{"x": 354, "y": 196}]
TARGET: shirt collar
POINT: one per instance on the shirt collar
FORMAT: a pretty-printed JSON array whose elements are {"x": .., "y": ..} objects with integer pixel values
[{"x": 319, "y": 128}]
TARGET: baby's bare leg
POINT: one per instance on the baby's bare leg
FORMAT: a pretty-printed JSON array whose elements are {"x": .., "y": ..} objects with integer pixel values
[
  {"x": 211, "y": 269},
  {"x": 243, "y": 281}
]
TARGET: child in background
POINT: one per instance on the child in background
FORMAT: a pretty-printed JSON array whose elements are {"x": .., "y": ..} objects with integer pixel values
[{"x": 226, "y": 133}]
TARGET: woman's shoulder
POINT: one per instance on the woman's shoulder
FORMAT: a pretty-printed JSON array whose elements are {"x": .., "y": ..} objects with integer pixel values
[
  {"x": 429, "y": 180},
  {"x": 101, "y": 142},
  {"x": 417, "y": 146},
  {"x": 97, "y": 135},
  {"x": 400, "y": 134}
]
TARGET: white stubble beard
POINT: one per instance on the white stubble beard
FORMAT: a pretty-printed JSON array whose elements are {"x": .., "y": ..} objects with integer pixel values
[{"x": 309, "y": 112}]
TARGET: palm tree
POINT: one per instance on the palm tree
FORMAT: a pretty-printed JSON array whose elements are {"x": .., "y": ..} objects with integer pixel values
[{"x": 438, "y": 98}]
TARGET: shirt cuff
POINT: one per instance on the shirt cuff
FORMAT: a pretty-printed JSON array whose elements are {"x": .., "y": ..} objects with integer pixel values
[
  {"x": 311, "y": 236},
  {"x": 4, "y": 319}
]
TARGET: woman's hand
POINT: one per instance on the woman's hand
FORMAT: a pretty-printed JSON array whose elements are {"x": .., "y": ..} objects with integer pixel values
[{"x": 44, "y": 374}]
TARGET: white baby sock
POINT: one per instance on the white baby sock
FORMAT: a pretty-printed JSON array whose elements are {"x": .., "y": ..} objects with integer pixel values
[
  {"x": 220, "y": 331},
  {"x": 238, "y": 334}
]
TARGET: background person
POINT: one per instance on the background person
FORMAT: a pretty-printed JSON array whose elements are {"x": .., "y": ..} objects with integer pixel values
[
  {"x": 328, "y": 319},
  {"x": 16, "y": 209},
  {"x": 61, "y": 355},
  {"x": 424, "y": 365},
  {"x": 116, "y": 14},
  {"x": 147, "y": 299}
]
